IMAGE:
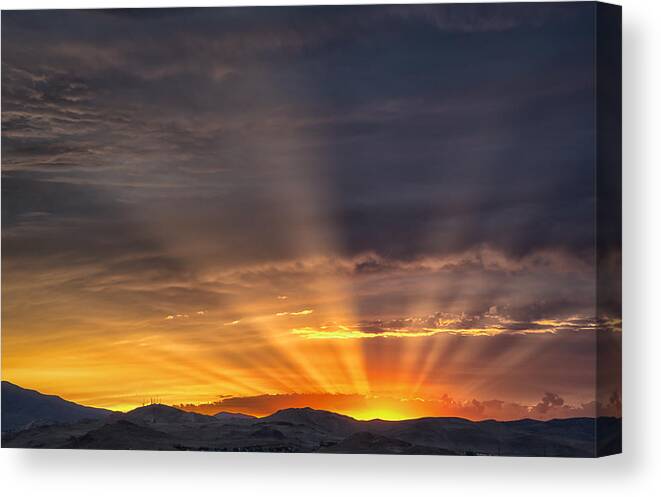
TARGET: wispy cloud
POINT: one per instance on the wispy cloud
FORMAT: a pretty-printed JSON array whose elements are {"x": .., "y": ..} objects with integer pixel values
[
  {"x": 487, "y": 324},
  {"x": 304, "y": 312},
  {"x": 170, "y": 317}
]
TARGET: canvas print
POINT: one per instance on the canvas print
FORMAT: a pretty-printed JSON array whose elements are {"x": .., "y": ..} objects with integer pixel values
[{"x": 389, "y": 229}]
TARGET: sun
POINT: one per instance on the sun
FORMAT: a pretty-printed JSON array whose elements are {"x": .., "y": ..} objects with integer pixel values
[
  {"x": 378, "y": 413},
  {"x": 382, "y": 408}
]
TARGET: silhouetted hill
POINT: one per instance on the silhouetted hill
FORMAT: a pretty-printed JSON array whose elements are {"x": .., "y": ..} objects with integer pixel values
[
  {"x": 232, "y": 417},
  {"x": 365, "y": 442},
  {"x": 122, "y": 434},
  {"x": 161, "y": 427},
  {"x": 160, "y": 413},
  {"x": 325, "y": 421},
  {"x": 22, "y": 408}
]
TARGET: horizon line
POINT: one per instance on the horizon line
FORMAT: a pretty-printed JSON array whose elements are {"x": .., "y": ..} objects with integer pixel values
[{"x": 179, "y": 407}]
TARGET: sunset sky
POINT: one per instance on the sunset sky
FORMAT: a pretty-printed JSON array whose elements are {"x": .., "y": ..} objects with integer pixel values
[{"x": 380, "y": 211}]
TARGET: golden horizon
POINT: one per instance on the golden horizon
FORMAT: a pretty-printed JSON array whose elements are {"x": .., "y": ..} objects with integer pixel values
[{"x": 356, "y": 406}]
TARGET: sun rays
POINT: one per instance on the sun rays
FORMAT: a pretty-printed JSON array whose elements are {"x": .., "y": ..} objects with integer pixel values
[{"x": 315, "y": 218}]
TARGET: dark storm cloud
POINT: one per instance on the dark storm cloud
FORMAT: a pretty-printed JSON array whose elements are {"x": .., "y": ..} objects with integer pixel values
[{"x": 190, "y": 140}]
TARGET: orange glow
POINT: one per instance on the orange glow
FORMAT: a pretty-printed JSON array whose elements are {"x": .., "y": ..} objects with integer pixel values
[
  {"x": 309, "y": 344},
  {"x": 387, "y": 410}
]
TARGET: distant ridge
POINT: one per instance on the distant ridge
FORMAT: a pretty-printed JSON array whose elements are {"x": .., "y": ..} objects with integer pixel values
[
  {"x": 31, "y": 419},
  {"x": 23, "y": 408},
  {"x": 234, "y": 416},
  {"x": 160, "y": 413},
  {"x": 330, "y": 422}
]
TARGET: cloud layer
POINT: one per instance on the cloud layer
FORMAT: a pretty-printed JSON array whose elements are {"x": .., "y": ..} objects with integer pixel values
[{"x": 552, "y": 406}]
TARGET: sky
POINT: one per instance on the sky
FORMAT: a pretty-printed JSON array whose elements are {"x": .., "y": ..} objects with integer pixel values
[{"x": 382, "y": 211}]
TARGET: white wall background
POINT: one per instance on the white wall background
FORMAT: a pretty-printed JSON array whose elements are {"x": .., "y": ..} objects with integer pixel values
[{"x": 637, "y": 472}]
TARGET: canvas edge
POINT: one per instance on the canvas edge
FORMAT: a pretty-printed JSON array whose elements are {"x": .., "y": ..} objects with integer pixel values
[{"x": 608, "y": 223}]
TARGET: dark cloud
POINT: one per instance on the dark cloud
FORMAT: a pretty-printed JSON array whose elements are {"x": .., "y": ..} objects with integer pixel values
[
  {"x": 410, "y": 161},
  {"x": 549, "y": 401}
]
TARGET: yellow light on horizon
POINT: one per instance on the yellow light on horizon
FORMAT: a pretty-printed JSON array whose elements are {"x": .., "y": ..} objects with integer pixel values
[{"x": 384, "y": 413}]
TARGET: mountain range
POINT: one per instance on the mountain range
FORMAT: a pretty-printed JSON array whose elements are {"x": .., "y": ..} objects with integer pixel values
[
  {"x": 33, "y": 420},
  {"x": 23, "y": 408}
]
